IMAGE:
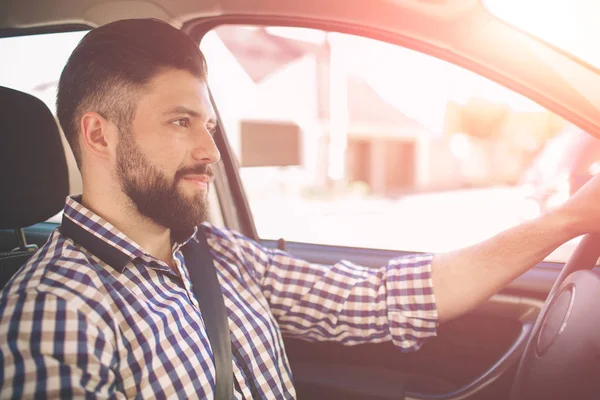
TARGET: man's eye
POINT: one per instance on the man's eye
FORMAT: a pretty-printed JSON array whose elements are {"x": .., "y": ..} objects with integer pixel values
[{"x": 183, "y": 122}]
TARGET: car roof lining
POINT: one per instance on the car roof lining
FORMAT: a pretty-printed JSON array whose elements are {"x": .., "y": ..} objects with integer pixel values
[{"x": 32, "y": 13}]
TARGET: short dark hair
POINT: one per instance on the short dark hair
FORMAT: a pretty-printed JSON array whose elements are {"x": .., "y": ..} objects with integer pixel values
[{"x": 110, "y": 67}]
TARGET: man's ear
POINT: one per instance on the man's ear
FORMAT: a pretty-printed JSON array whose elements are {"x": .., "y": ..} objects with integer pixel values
[{"x": 95, "y": 135}]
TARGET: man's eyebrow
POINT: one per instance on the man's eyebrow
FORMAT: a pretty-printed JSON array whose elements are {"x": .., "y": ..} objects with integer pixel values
[{"x": 183, "y": 110}]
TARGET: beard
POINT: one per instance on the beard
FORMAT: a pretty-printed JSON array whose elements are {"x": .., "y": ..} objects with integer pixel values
[{"x": 155, "y": 195}]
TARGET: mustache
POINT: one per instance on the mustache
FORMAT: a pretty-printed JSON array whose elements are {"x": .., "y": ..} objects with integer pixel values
[{"x": 200, "y": 169}]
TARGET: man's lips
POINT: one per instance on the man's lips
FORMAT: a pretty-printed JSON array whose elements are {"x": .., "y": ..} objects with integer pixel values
[{"x": 199, "y": 179}]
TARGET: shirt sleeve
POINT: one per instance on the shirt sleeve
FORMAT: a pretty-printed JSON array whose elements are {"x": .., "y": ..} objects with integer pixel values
[
  {"x": 48, "y": 349},
  {"x": 346, "y": 302}
]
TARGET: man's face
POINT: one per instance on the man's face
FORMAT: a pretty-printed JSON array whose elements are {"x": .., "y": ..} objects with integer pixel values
[{"x": 164, "y": 161}]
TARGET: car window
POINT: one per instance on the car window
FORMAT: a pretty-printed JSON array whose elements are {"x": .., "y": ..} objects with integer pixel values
[
  {"x": 345, "y": 140},
  {"x": 577, "y": 20},
  {"x": 33, "y": 64}
]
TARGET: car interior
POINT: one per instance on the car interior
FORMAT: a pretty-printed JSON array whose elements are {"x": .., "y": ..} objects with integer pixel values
[
  {"x": 490, "y": 353},
  {"x": 38, "y": 180}
]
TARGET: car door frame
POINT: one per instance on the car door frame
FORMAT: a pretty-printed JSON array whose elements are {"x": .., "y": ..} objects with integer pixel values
[
  {"x": 522, "y": 299},
  {"x": 234, "y": 203}
]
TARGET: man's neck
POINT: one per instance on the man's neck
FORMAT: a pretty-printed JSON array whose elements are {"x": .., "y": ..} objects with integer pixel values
[{"x": 155, "y": 239}]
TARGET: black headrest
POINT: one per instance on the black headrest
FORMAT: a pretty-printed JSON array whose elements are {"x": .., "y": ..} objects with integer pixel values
[{"x": 33, "y": 168}]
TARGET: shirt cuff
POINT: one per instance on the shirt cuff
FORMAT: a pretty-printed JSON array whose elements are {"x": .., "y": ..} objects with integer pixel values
[{"x": 412, "y": 311}]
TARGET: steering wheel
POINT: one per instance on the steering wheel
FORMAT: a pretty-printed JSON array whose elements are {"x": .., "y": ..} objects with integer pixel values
[{"x": 562, "y": 356}]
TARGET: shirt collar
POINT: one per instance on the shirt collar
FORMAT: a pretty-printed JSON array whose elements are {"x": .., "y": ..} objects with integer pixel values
[{"x": 100, "y": 237}]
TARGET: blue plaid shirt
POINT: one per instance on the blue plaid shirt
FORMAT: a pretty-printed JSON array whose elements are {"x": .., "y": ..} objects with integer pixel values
[{"x": 112, "y": 321}]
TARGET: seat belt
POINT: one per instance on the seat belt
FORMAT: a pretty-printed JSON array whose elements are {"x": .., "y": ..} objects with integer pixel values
[{"x": 207, "y": 290}]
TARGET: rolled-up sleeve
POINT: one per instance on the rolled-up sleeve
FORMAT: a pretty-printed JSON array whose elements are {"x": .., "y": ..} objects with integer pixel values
[
  {"x": 411, "y": 307},
  {"x": 346, "y": 302}
]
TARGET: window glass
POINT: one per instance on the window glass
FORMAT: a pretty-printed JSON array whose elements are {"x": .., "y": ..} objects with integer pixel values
[
  {"x": 571, "y": 25},
  {"x": 33, "y": 64},
  {"x": 344, "y": 140}
]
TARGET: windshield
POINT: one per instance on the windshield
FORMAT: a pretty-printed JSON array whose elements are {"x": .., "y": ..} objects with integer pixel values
[{"x": 571, "y": 25}]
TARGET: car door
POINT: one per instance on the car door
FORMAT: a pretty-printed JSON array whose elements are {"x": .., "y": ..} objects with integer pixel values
[{"x": 364, "y": 137}]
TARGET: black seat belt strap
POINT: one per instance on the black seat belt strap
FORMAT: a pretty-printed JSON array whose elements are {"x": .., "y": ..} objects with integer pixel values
[{"x": 207, "y": 290}]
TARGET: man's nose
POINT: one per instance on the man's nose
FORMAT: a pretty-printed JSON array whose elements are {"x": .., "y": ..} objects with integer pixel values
[{"x": 205, "y": 149}]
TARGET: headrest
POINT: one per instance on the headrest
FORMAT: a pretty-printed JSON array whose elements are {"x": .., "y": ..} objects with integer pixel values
[{"x": 33, "y": 168}]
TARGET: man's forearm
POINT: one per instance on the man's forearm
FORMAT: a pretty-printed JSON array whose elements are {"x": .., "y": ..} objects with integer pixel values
[{"x": 465, "y": 278}]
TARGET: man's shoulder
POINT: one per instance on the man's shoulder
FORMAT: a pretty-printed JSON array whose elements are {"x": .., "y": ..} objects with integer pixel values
[
  {"x": 59, "y": 267},
  {"x": 59, "y": 283}
]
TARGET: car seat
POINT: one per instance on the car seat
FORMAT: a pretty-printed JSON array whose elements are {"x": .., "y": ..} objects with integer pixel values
[{"x": 33, "y": 172}]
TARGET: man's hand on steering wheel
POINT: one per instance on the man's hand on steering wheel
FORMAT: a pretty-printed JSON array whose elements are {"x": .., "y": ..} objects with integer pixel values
[{"x": 561, "y": 358}]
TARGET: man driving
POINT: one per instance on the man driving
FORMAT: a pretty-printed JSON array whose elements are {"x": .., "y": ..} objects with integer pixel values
[{"x": 107, "y": 307}]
